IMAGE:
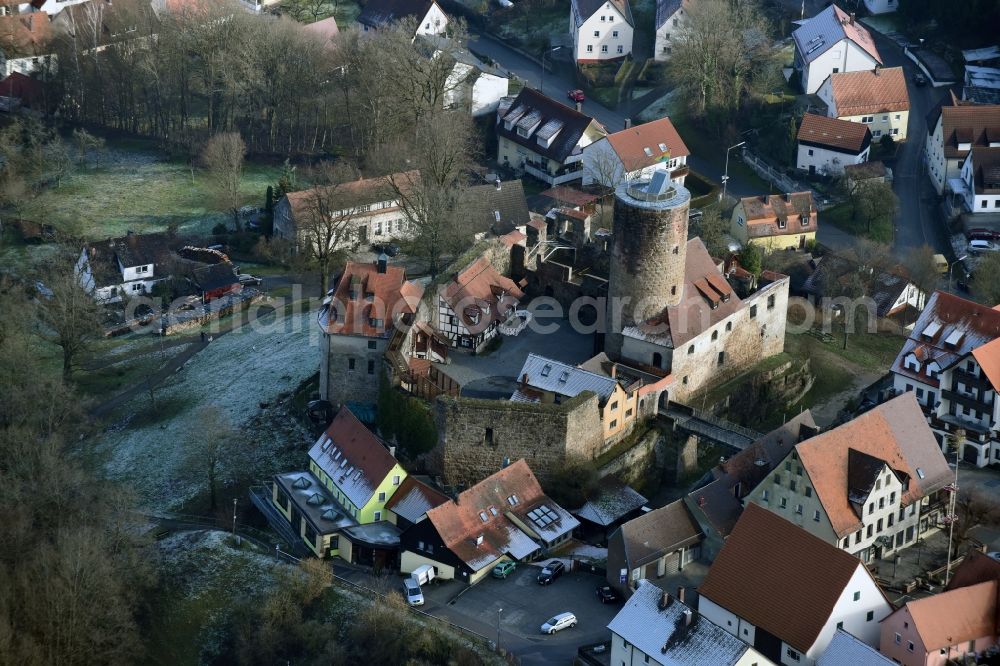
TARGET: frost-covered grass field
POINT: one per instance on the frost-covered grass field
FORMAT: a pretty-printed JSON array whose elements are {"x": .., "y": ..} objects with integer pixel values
[
  {"x": 142, "y": 191},
  {"x": 261, "y": 362},
  {"x": 134, "y": 188},
  {"x": 202, "y": 578}
]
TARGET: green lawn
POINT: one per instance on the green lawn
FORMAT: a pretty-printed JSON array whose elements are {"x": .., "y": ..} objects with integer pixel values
[
  {"x": 841, "y": 217},
  {"x": 711, "y": 149}
]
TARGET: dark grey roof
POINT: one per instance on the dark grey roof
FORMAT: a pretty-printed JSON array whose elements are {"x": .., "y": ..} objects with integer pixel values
[
  {"x": 886, "y": 288},
  {"x": 380, "y": 13},
  {"x": 530, "y": 102},
  {"x": 658, "y": 532},
  {"x": 586, "y": 8},
  {"x": 665, "y": 9},
  {"x": 720, "y": 500},
  {"x": 141, "y": 249},
  {"x": 614, "y": 501},
  {"x": 314, "y": 501},
  {"x": 483, "y": 202},
  {"x": 214, "y": 276}
]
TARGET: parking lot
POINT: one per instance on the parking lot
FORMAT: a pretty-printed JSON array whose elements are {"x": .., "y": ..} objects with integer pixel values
[{"x": 526, "y": 605}]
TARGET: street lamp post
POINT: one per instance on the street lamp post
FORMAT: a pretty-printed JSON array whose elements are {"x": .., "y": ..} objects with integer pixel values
[
  {"x": 541, "y": 87},
  {"x": 725, "y": 177},
  {"x": 499, "y": 610},
  {"x": 951, "y": 269},
  {"x": 234, "y": 517}
]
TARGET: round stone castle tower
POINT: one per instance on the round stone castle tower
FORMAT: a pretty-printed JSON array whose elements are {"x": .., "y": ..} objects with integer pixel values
[{"x": 647, "y": 254}]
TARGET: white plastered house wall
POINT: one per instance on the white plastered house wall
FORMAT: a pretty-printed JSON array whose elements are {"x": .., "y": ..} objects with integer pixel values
[
  {"x": 886, "y": 123},
  {"x": 601, "y": 164},
  {"x": 605, "y": 35},
  {"x": 666, "y": 35},
  {"x": 844, "y": 56}
]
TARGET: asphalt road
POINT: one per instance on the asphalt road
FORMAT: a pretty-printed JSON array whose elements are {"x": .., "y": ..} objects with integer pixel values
[
  {"x": 556, "y": 86},
  {"x": 917, "y": 218}
]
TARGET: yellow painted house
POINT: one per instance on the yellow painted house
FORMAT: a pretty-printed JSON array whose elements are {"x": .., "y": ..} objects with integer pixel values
[
  {"x": 338, "y": 507},
  {"x": 547, "y": 381},
  {"x": 776, "y": 221}
]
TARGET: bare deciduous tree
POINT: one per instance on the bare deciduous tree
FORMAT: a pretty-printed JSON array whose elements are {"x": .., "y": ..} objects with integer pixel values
[
  {"x": 223, "y": 161},
  {"x": 68, "y": 316},
  {"x": 211, "y": 444},
  {"x": 326, "y": 217},
  {"x": 719, "y": 55},
  {"x": 430, "y": 183}
]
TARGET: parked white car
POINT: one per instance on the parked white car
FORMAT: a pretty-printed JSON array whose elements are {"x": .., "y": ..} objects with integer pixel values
[
  {"x": 414, "y": 595},
  {"x": 558, "y": 623},
  {"x": 977, "y": 246}
]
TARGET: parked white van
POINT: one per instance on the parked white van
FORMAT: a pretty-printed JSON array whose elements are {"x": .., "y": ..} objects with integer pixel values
[
  {"x": 423, "y": 574},
  {"x": 558, "y": 623},
  {"x": 977, "y": 246}
]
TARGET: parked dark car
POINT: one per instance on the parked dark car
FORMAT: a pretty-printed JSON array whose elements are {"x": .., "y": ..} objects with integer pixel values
[
  {"x": 552, "y": 570},
  {"x": 606, "y": 594},
  {"x": 982, "y": 234},
  {"x": 919, "y": 80},
  {"x": 389, "y": 249}
]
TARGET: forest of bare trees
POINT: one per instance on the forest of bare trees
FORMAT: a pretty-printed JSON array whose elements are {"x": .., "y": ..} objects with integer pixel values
[{"x": 210, "y": 69}]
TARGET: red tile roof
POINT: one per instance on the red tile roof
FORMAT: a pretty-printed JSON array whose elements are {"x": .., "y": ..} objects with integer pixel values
[
  {"x": 895, "y": 432},
  {"x": 391, "y": 296},
  {"x": 956, "y": 616},
  {"x": 870, "y": 91},
  {"x": 480, "y": 285},
  {"x": 988, "y": 357},
  {"x": 414, "y": 498},
  {"x": 779, "y": 577},
  {"x": 834, "y": 133},
  {"x": 966, "y": 124},
  {"x": 977, "y": 325},
  {"x": 361, "y": 192},
  {"x": 461, "y": 523},
  {"x": 631, "y": 144},
  {"x": 25, "y": 34},
  {"x": 763, "y": 214},
  {"x": 355, "y": 459}
]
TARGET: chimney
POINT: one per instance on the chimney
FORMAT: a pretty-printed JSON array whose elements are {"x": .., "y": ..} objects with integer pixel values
[
  {"x": 628, "y": 123},
  {"x": 664, "y": 601},
  {"x": 392, "y": 451},
  {"x": 524, "y": 380},
  {"x": 851, "y": 20},
  {"x": 877, "y": 68},
  {"x": 497, "y": 183},
  {"x": 701, "y": 500},
  {"x": 614, "y": 371},
  {"x": 688, "y": 617},
  {"x": 680, "y": 593},
  {"x": 579, "y": 107}
]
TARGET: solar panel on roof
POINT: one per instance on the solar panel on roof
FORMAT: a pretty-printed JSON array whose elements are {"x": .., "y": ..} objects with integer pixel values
[{"x": 659, "y": 183}]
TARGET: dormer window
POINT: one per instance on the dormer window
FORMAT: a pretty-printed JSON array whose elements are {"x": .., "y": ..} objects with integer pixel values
[
  {"x": 648, "y": 151},
  {"x": 483, "y": 517},
  {"x": 805, "y": 220},
  {"x": 781, "y": 223},
  {"x": 496, "y": 215},
  {"x": 663, "y": 147}
]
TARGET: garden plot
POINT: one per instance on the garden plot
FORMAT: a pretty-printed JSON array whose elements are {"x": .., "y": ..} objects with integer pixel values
[{"x": 260, "y": 363}]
